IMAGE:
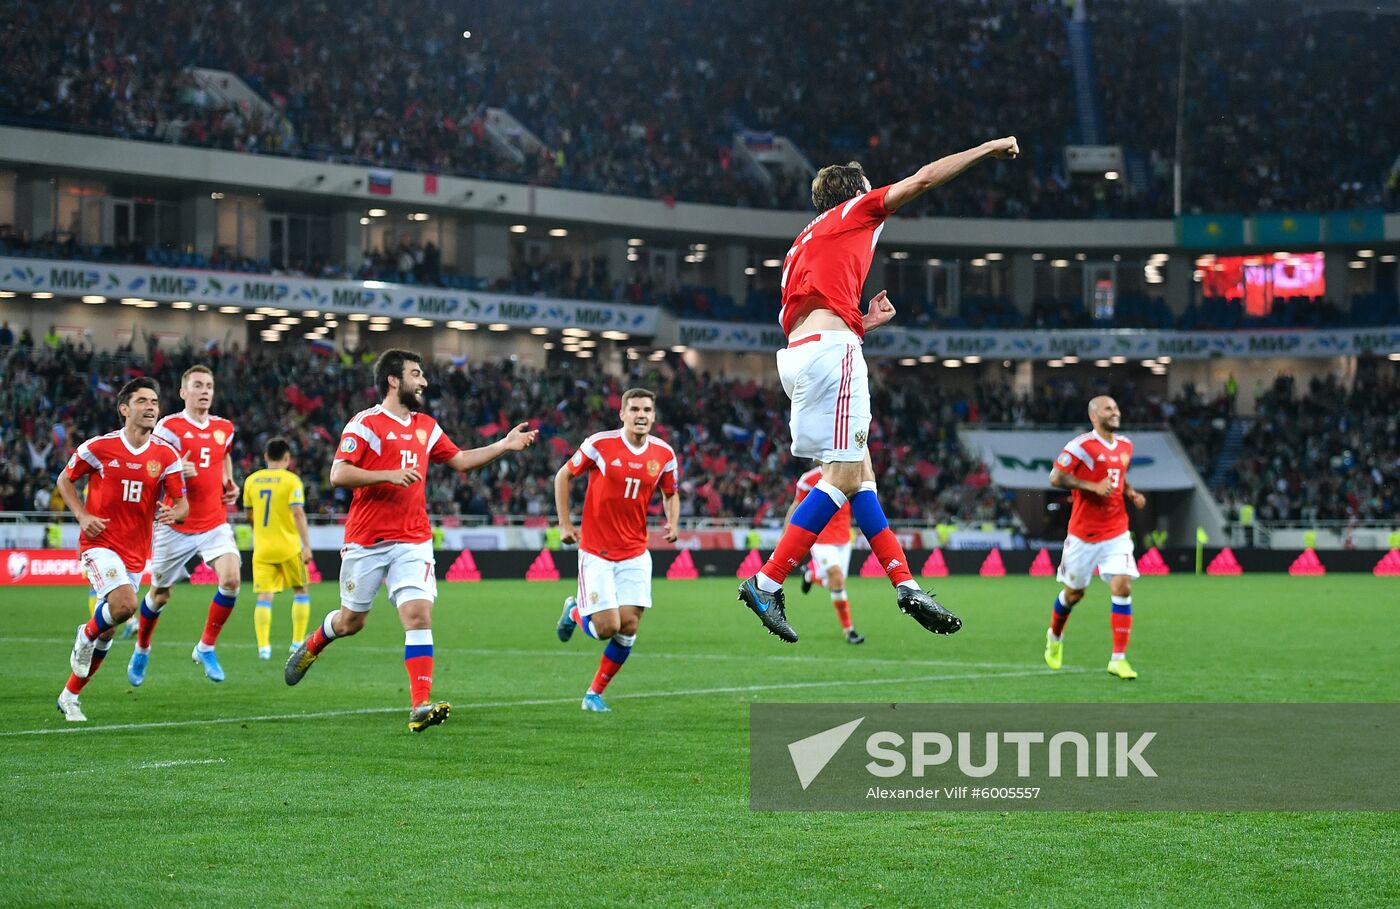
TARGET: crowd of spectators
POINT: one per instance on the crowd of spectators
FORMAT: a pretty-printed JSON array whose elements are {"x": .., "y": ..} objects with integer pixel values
[
  {"x": 1330, "y": 453},
  {"x": 1285, "y": 108},
  {"x": 1285, "y": 105},
  {"x": 731, "y": 434}
]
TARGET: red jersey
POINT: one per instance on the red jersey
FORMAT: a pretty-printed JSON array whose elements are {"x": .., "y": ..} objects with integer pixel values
[
  {"x": 124, "y": 486},
  {"x": 827, "y": 265},
  {"x": 1097, "y": 518},
  {"x": 838, "y": 529},
  {"x": 623, "y": 479},
  {"x": 377, "y": 440},
  {"x": 205, "y": 445}
]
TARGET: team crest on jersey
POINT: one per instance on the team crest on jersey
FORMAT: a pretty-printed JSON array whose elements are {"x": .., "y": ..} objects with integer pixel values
[
  {"x": 1125, "y": 458},
  {"x": 348, "y": 444},
  {"x": 1064, "y": 460},
  {"x": 653, "y": 468},
  {"x": 153, "y": 468},
  {"x": 219, "y": 436},
  {"x": 860, "y": 438},
  {"x": 422, "y": 435}
]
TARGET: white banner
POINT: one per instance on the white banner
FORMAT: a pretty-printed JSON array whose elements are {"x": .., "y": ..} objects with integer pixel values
[
  {"x": 1048, "y": 345},
  {"x": 1021, "y": 459},
  {"x": 248, "y": 291}
]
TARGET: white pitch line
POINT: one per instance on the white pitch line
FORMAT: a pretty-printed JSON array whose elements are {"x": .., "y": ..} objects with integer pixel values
[
  {"x": 535, "y": 702},
  {"x": 144, "y": 765},
  {"x": 564, "y": 651}
]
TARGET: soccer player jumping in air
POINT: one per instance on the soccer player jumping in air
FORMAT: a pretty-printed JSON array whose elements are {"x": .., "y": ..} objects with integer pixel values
[
  {"x": 824, "y": 374},
  {"x": 1094, "y": 467},
  {"x": 624, "y": 468},
  {"x": 383, "y": 456}
]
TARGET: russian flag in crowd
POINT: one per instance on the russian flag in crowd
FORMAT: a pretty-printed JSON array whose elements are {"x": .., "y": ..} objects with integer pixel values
[
  {"x": 381, "y": 182},
  {"x": 323, "y": 346}
]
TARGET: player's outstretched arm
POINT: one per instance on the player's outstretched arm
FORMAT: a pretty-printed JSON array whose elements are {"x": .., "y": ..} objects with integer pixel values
[
  {"x": 563, "y": 492},
  {"x": 518, "y": 439},
  {"x": 944, "y": 169}
]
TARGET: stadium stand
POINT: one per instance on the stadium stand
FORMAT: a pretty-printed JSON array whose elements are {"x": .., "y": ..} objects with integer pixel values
[{"x": 384, "y": 84}]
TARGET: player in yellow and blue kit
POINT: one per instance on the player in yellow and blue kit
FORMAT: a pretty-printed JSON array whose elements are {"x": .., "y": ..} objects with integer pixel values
[{"x": 276, "y": 502}]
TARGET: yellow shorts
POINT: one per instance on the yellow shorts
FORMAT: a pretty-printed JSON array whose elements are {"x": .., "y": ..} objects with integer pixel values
[{"x": 272, "y": 577}]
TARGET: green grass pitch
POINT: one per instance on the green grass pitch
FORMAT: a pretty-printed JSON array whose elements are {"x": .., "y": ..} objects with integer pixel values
[{"x": 250, "y": 793}]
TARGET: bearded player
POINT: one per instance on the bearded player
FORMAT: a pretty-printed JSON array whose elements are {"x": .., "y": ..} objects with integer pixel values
[
  {"x": 1094, "y": 467},
  {"x": 383, "y": 456},
  {"x": 624, "y": 467},
  {"x": 824, "y": 374},
  {"x": 831, "y": 557},
  {"x": 204, "y": 442},
  {"x": 127, "y": 473}
]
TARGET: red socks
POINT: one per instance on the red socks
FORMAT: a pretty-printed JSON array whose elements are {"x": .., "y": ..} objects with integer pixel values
[
  {"x": 886, "y": 547},
  {"x": 219, "y": 610},
  {"x": 793, "y": 548}
]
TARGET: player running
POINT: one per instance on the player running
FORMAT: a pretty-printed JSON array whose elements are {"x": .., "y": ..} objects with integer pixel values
[
  {"x": 383, "y": 456},
  {"x": 1094, "y": 467},
  {"x": 204, "y": 442},
  {"x": 127, "y": 472},
  {"x": 831, "y": 556},
  {"x": 624, "y": 467},
  {"x": 824, "y": 374},
  {"x": 276, "y": 503}
]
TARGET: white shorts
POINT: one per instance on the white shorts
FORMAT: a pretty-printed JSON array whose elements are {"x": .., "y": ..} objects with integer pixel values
[
  {"x": 173, "y": 551},
  {"x": 825, "y": 556},
  {"x": 106, "y": 572},
  {"x": 829, "y": 386},
  {"x": 603, "y": 584},
  {"x": 407, "y": 569},
  {"x": 1110, "y": 557}
]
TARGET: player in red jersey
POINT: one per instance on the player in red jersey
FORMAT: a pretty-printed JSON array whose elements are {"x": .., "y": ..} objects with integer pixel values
[
  {"x": 204, "y": 442},
  {"x": 127, "y": 473},
  {"x": 624, "y": 467},
  {"x": 831, "y": 556},
  {"x": 383, "y": 456},
  {"x": 1094, "y": 467},
  {"x": 824, "y": 374}
]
